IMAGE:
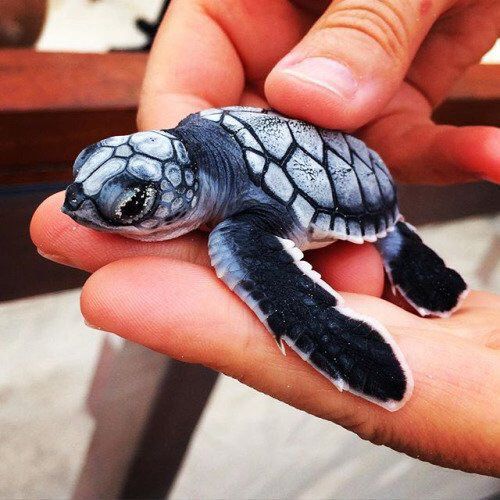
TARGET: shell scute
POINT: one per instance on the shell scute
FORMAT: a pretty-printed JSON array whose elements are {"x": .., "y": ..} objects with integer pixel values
[
  {"x": 337, "y": 143},
  {"x": 310, "y": 178},
  {"x": 279, "y": 184},
  {"x": 308, "y": 138},
  {"x": 346, "y": 184},
  {"x": 359, "y": 147},
  {"x": 331, "y": 181},
  {"x": 272, "y": 131},
  {"x": 368, "y": 184}
]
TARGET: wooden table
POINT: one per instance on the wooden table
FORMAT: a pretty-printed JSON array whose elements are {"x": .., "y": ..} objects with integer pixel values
[
  {"x": 146, "y": 406},
  {"x": 53, "y": 104}
]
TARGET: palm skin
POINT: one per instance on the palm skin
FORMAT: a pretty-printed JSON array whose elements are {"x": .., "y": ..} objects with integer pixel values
[{"x": 218, "y": 53}]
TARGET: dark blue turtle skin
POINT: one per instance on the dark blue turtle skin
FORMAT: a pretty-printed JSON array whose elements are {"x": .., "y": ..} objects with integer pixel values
[{"x": 268, "y": 187}]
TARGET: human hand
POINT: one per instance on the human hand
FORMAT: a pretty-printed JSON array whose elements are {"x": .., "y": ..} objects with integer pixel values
[
  {"x": 403, "y": 57},
  {"x": 203, "y": 59},
  {"x": 181, "y": 309}
]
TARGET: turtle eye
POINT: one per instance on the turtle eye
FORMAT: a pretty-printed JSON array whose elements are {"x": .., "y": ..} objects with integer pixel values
[{"x": 134, "y": 204}]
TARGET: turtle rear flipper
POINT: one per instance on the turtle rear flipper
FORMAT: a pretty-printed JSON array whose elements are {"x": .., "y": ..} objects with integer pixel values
[
  {"x": 297, "y": 307},
  {"x": 419, "y": 274}
]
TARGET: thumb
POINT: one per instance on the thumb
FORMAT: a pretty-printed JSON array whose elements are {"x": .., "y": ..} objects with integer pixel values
[{"x": 351, "y": 62}]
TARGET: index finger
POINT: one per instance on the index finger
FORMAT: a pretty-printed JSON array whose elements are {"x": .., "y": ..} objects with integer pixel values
[
  {"x": 192, "y": 65},
  {"x": 206, "y": 53},
  {"x": 184, "y": 311},
  {"x": 356, "y": 268}
]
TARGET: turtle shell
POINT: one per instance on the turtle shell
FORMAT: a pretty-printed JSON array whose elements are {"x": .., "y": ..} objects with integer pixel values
[{"x": 334, "y": 184}]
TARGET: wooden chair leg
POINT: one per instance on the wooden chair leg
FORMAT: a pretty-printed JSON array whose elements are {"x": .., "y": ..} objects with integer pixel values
[
  {"x": 144, "y": 419},
  {"x": 180, "y": 400}
]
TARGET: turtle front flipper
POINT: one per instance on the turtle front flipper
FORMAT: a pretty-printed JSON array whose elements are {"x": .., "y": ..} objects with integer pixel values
[
  {"x": 356, "y": 353},
  {"x": 419, "y": 274}
]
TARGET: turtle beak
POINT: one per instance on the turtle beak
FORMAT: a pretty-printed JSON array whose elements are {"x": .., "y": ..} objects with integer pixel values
[
  {"x": 80, "y": 207},
  {"x": 74, "y": 198}
]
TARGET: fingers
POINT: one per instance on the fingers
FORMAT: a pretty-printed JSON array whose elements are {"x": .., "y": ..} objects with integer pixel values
[
  {"x": 350, "y": 267},
  {"x": 177, "y": 298},
  {"x": 477, "y": 320},
  {"x": 446, "y": 154},
  {"x": 351, "y": 62},
  {"x": 185, "y": 312},
  {"x": 456, "y": 41},
  {"x": 355, "y": 268},
  {"x": 59, "y": 238},
  {"x": 192, "y": 65},
  {"x": 206, "y": 52}
]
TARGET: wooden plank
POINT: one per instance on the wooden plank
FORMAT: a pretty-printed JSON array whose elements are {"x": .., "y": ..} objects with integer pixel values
[
  {"x": 23, "y": 272},
  {"x": 41, "y": 146},
  {"x": 40, "y": 81},
  {"x": 120, "y": 419},
  {"x": 468, "y": 112},
  {"x": 76, "y": 99},
  {"x": 475, "y": 98},
  {"x": 181, "y": 398},
  {"x": 97, "y": 81},
  {"x": 72, "y": 100},
  {"x": 145, "y": 418},
  {"x": 428, "y": 204}
]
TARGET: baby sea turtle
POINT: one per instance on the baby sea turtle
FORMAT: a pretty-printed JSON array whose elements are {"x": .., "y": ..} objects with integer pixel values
[{"x": 268, "y": 187}]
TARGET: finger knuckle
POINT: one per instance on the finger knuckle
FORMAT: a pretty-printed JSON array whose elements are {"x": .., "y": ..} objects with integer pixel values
[
  {"x": 386, "y": 23},
  {"x": 352, "y": 421}
]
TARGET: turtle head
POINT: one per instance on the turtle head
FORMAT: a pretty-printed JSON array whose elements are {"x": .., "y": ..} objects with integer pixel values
[{"x": 141, "y": 185}]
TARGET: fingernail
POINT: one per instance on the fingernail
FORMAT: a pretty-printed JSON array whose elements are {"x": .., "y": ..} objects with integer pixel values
[
  {"x": 326, "y": 73},
  {"x": 54, "y": 258},
  {"x": 90, "y": 325}
]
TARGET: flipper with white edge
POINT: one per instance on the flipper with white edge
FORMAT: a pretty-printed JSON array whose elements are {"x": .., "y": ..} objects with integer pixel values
[
  {"x": 419, "y": 274},
  {"x": 356, "y": 353}
]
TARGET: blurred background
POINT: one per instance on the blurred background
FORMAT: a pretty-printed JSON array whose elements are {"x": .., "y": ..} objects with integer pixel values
[{"x": 84, "y": 414}]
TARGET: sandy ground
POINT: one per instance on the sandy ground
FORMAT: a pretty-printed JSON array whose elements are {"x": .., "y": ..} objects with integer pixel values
[{"x": 246, "y": 446}]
